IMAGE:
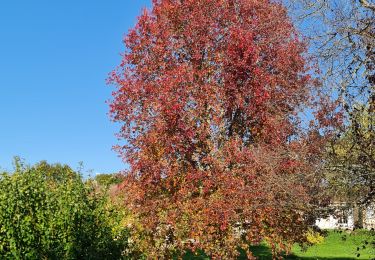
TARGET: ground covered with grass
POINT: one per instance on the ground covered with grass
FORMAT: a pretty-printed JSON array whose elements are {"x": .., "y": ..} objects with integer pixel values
[
  {"x": 341, "y": 245},
  {"x": 336, "y": 245}
]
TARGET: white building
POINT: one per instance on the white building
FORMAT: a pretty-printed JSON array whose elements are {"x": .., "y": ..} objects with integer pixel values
[{"x": 348, "y": 217}]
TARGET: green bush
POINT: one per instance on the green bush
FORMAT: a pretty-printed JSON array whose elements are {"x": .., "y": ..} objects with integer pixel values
[{"x": 48, "y": 212}]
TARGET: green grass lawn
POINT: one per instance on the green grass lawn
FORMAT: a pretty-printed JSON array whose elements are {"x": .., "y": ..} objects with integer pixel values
[{"x": 337, "y": 245}]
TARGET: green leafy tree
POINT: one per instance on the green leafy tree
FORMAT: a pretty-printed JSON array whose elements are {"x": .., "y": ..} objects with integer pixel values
[{"x": 48, "y": 212}]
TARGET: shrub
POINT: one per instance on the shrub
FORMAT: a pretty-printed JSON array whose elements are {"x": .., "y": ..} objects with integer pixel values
[
  {"x": 313, "y": 237},
  {"x": 47, "y": 211}
]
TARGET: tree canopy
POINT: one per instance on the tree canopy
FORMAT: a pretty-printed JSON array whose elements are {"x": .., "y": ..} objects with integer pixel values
[{"x": 209, "y": 94}]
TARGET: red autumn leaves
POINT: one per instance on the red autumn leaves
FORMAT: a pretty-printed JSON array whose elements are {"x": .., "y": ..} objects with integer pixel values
[{"x": 208, "y": 94}]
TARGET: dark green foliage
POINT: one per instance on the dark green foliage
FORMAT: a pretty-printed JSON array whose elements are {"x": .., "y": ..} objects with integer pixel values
[{"x": 48, "y": 212}]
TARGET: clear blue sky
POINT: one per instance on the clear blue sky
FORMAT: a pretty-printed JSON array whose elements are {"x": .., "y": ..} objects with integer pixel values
[{"x": 54, "y": 59}]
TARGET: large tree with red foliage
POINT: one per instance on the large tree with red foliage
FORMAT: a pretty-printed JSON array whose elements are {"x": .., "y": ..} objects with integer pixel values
[{"x": 209, "y": 94}]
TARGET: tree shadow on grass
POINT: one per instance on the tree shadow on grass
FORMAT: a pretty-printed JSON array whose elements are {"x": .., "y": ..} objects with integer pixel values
[
  {"x": 262, "y": 252},
  {"x": 317, "y": 258}
]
